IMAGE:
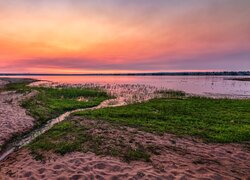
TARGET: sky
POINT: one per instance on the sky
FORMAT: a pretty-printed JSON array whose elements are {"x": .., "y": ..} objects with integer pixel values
[{"x": 104, "y": 36}]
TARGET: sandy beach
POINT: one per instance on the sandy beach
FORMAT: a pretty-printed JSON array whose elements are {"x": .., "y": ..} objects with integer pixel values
[
  {"x": 172, "y": 157},
  {"x": 13, "y": 118}
]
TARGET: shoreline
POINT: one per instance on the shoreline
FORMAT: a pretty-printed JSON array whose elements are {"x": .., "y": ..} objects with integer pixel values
[{"x": 208, "y": 73}]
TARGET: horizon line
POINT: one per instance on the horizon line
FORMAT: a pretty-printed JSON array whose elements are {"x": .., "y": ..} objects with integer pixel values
[{"x": 132, "y": 74}]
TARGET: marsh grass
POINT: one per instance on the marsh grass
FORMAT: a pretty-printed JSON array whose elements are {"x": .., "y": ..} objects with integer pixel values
[{"x": 214, "y": 120}]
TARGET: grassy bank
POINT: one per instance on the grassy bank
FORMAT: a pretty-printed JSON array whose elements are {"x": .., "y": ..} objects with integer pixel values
[
  {"x": 70, "y": 136},
  {"x": 214, "y": 120},
  {"x": 49, "y": 103}
]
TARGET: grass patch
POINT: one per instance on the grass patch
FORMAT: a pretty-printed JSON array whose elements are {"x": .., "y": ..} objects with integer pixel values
[
  {"x": 63, "y": 138},
  {"x": 136, "y": 155},
  {"x": 52, "y": 102},
  {"x": 214, "y": 120},
  {"x": 172, "y": 93},
  {"x": 70, "y": 136}
]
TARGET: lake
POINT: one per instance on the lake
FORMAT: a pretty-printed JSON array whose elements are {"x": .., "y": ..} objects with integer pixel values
[{"x": 200, "y": 85}]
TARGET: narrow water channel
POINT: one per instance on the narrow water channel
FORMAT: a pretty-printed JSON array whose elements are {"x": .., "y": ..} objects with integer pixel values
[{"x": 14, "y": 146}]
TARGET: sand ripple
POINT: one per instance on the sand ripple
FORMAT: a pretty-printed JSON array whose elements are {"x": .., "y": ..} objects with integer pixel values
[
  {"x": 77, "y": 166},
  {"x": 173, "y": 158}
]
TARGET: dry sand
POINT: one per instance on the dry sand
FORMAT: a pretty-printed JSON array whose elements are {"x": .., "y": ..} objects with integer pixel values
[
  {"x": 2, "y": 83},
  {"x": 13, "y": 118},
  {"x": 172, "y": 158}
]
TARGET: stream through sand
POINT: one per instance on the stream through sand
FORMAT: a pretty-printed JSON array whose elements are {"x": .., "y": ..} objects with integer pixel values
[
  {"x": 124, "y": 94},
  {"x": 10, "y": 148}
]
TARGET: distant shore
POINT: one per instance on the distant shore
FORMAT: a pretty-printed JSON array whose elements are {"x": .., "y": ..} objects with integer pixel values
[
  {"x": 224, "y": 73},
  {"x": 239, "y": 79}
]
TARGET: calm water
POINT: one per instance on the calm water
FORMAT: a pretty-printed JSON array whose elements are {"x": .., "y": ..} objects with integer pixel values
[{"x": 201, "y": 85}]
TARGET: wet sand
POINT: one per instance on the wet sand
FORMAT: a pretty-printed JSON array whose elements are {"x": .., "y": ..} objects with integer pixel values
[{"x": 171, "y": 157}]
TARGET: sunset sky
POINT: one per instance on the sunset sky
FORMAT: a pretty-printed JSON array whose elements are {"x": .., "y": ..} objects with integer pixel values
[{"x": 86, "y": 36}]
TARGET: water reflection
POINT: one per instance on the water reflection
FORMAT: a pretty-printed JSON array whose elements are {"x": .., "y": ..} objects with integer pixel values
[{"x": 192, "y": 84}]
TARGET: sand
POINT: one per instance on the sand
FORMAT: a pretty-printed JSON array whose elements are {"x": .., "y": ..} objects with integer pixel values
[
  {"x": 173, "y": 158},
  {"x": 13, "y": 118},
  {"x": 2, "y": 83}
]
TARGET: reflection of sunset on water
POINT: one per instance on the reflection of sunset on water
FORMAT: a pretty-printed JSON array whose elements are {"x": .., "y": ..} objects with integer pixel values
[{"x": 202, "y": 85}]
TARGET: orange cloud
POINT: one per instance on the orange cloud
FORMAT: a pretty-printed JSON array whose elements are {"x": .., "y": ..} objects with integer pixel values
[{"x": 131, "y": 35}]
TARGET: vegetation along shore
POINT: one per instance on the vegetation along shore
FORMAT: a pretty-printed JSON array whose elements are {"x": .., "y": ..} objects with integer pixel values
[{"x": 153, "y": 133}]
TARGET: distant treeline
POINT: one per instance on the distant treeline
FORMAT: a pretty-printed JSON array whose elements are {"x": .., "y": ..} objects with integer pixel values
[{"x": 225, "y": 73}]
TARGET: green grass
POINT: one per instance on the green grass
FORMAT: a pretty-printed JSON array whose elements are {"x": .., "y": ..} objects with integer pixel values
[
  {"x": 52, "y": 102},
  {"x": 62, "y": 138},
  {"x": 214, "y": 120},
  {"x": 20, "y": 87},
  {"x": 172, "y": 93},
  {"x": 70, "y": 136},
  {"x": 136, "y": 155}
]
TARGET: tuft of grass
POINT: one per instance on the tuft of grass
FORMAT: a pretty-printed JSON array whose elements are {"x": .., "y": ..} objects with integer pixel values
[
  {"x": 214, "y": 120},
  {"x": 172, "y": 93},
  {"x": 136, "y": 155}
]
